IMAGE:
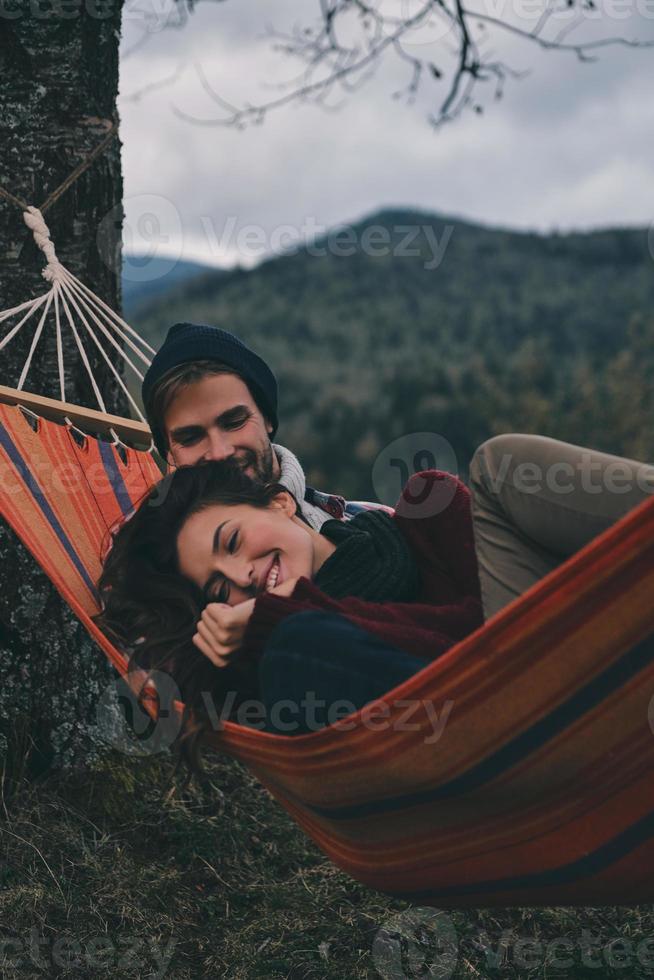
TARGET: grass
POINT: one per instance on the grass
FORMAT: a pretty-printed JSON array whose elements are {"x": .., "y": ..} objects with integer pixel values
[{"x": 110, "y": 872}]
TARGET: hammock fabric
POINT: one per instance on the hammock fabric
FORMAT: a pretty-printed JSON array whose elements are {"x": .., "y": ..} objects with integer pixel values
[{"x": 540, "y": 790}]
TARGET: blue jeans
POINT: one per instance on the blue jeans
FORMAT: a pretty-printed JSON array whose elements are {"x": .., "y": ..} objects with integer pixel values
[{"x": 318, "y": 667}]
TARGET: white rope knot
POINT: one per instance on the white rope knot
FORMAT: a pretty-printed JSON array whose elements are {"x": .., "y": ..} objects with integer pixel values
[
  {"x": 53, "y": 271},
  {"x": 33, "y": 218},
  {"x": 69, "y": 298}
]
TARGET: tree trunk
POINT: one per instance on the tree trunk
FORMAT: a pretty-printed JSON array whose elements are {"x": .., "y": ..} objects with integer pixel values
[{"x": 59, "y": 70}]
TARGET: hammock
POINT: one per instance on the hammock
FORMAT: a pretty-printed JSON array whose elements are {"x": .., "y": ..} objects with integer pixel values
[{"x": 540, "y": 790}]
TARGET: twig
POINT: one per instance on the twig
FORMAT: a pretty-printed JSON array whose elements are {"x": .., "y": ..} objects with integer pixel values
[
  {"x": 30, "y": 844},
  {"x": 350, "y": 67}
]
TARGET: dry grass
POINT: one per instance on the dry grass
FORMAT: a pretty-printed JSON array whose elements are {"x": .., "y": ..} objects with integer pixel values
[{"x": 108, "y": 873}]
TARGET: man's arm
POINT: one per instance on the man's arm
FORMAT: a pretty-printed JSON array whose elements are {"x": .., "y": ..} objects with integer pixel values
[{"x": 422, "y": 629}]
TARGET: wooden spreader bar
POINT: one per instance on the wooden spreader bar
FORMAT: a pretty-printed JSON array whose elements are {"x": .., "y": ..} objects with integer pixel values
[{"x": 88, "y": 419}]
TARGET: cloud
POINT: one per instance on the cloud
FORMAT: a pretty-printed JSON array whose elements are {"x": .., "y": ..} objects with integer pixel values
[{"x": 566, "y": 147}]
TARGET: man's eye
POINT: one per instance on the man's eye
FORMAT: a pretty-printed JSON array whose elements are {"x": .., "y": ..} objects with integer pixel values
[
  {"x": 237, "y": 423},
  {"x": 187, "y": 441}
]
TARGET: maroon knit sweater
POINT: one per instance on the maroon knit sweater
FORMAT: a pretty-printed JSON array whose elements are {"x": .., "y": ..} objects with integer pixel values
[{"x": 434, "y": 515}]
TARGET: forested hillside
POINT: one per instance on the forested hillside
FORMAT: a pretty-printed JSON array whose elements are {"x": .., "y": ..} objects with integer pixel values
[
  {"x": 144, "y": 277},
  {"x": 509, "y": 331}
]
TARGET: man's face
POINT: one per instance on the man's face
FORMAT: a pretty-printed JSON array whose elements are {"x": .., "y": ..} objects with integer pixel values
[{"x": 217, "y": 417}]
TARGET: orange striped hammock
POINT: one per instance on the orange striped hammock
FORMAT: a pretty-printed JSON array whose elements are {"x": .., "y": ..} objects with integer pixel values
[{"x": 540, "y": 790}]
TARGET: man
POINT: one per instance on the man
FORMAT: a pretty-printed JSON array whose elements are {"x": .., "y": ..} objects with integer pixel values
[
  {"x": 536, "y": 501},
  {"x": 208, "y": 396}
]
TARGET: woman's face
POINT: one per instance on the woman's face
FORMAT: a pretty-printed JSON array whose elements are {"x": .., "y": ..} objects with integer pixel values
[{"x": 234, "y": 551}]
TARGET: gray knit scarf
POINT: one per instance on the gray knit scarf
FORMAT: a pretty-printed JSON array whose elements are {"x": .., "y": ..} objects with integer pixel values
[
  {"x": 292, "y": 477},
  {"x": 372, "y": 560}
]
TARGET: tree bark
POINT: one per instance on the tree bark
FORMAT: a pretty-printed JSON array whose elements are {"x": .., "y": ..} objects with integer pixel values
[{"x": 59, "y": 70}]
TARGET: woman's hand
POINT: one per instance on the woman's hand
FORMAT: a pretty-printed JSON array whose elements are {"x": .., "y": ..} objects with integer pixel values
[{"x": 221, "y": 627}]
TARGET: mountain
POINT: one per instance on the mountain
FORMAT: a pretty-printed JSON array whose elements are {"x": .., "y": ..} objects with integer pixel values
[
  {"x": 412, "y": 322},
  {"x": 146, "y": 278}
]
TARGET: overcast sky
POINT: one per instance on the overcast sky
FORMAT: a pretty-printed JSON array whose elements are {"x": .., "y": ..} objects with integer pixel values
[{"x": 568, "y": 147}]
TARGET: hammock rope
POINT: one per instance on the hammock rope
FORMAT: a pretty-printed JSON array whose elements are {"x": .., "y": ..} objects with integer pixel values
[
  {"x": 74, "y": 175},
  {"x": 67, "y": 291},
  {"x": 66, "y": 288}
]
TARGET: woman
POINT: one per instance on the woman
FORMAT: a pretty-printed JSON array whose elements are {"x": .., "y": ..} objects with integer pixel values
[{"x": 219, "y": 580}]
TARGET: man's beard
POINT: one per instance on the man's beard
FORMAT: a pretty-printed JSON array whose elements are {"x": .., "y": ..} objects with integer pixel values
[{"x": 260, "y": 466}]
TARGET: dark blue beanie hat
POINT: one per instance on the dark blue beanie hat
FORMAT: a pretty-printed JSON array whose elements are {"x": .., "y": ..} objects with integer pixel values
[{"x": 197, "y": 342}]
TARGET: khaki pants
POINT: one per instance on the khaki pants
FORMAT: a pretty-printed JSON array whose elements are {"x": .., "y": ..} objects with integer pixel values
[{"x": 536, "y": 500}]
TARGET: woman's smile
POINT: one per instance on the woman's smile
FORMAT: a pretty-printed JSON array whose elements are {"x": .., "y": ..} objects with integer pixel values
[{"x": 273, "y": 575}]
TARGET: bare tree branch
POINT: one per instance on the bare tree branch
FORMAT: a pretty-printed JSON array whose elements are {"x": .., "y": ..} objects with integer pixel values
[
  {"x": 152, "y": 86},
  {"x": 579, "y": 49},
  {"x": 332, "y": 63}
]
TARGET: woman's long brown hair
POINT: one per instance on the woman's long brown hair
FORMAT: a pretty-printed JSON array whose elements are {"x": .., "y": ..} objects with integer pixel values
[{"x": 151, "y": 610}]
